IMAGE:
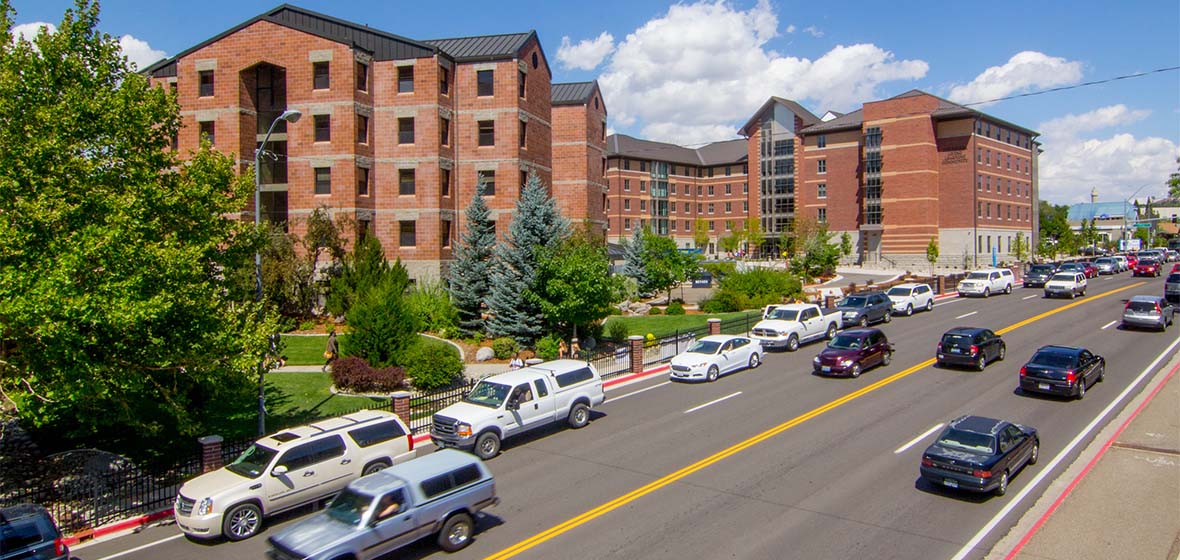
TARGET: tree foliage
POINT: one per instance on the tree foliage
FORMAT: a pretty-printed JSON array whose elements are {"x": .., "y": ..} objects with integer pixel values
[
  {"x": 700, "y": 233},
  {"x": 573, "y": 285},
  {"x": 633, "y": 262},
  {"x": 381, "y": 325},
  {"x": 818, "y": 255},
  {"x": 846, "y": 245},
  {"x": 470, "y": 273},
  {"x": 665, "y": 264},
  {"x": 932, "y": 253},
  {"x": 1020, "y": 247},
  {"x": 1174, "y": 183},
  {"x": 119, "y": 327},
  {"x": 753, "y": 234},
  {"x": 365, "y": 268}
]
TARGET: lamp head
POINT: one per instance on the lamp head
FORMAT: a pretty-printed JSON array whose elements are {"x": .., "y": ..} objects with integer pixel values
[{"x": 291, "y": 115}]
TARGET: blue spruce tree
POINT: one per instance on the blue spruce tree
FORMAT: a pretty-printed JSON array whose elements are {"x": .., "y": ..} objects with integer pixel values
[
  {"x": 536, "y": 222},
  {"x": 470, "y": 274},
  {"x": 634, "y": 261}
]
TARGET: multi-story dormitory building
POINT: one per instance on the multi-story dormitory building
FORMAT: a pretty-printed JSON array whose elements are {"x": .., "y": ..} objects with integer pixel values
[
  {"x": 395, "y": 133},
  {"x": 892, "y": 174}
]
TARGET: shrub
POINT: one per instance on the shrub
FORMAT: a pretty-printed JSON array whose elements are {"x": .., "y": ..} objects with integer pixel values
[
  {"x": 431, "y": 366},
  {"x": 308, "y": 326},
  {"x": 547, "y": 347},
  {"x": 617, "y": 330},
  {"x": 712, "y": 305},
  {"x": 382, "y": 327},
  {"x": 356, "y": 375},
  {"x": 449, "y": 333},
  {"x": 431, "y": 306},
  {"x": 675, "y": 308},
  {"x": 655, "y": 311},
  {"x": 504, "y": 347}
]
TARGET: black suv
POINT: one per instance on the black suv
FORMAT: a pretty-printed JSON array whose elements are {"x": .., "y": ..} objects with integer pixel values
[
  {"x": 27, "y": 531},
  {"x": 970, "y": 346},
  {"x": 1038, "y": 274}
]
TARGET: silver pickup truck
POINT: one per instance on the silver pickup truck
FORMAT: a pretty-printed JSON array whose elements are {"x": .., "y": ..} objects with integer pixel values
[{"x": 788, "y": 326}]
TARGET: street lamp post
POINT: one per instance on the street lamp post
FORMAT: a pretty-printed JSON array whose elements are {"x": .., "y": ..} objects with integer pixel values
[{"x": 291, "y": 116}]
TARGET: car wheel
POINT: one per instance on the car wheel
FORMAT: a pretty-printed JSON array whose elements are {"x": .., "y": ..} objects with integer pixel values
[
  {"x": 713, "y": 373},
  {"x": 864, "y": 321},
  {"x": 987, "y": 292},
  {"x": 930, "y": 304},
  {"x": 487, "y": 445},
  {"x": 1003, "y": 487},
  {"x": 1003, "y": 353},
  {"x": 1008, "y": 289},
  {"x": 886, "y": 358},
  {"x": 939, "y": 364},
  {"x": 456, "y": 532},
  {"x": 855, "y": 371},
  {"x": 375, "y": 466},
  {"x": 1083, "y": 292},
  {"x": 1036, "y": 453},
  {"x": 792, "y": 343},
  {"x": 755, "y": 360},
  {"x": 981, "y": 363},
  {"x": 831, "y": 332},
  {"x": 241, "y": 522},
  {"x": 1073, "y": 294},
  {"x": 909, "y": 310},
  {"x": 1081, "y": 387},
  {"x": 579, "y": 416},
  {"x": 888, "y": 316}
]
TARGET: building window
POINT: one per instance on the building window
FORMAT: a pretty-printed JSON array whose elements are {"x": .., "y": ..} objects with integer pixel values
[
  {"x": 362, "y": 181},
  {"x": 487, "y": 133},
  {"x": 700, "y": 208},
  {"x": 405, "y": 182},
  {"x": 485, "y": 83},
  {"x": 405, "y": 130},
  {"x": 362, "y": 76},
  {"x": 710, "y": 172},
  {"x": 687, "y": 208},
  {"x": 700, "y": 190},
  {"x": 407, "y": 234},
  {"x": 524, "y": 127},
  {"x": 710, "y": 190},
  {"x": 208, "y": 132},
  {"x": 987, "y": 157},
  {"x": 446, "y": 233},
  {"x": 728, "y": 207},
  {"x": 626, "y": 223},
  {"x": 626, "y": 204},
  {"x": 323, "y": 180},
  {"x": 821, "y": 166},
  {"x": 672, "y": 189},
  {"x": 710, "y": 207},
  {"x": 205, "y": 83},
  {"x": 978, "y": 155},
  {"x": 728, "y": 225},
  {"x": 524, "y": 178},
  {"x": 444, "y": 182},
  {"x": 444, "y": 131},
  {"x": 712, "y": 225},
  {"x": 626, "y": 184},
  {"x": 488, "y": 179},
  {"x": 987, "y": 207},
  {"x": 323, "y": 128},
  {"x": 987, "y": 182},
  {"x": 362, "y": 129},
  {"x": 1009, "y": 211},
  {"x": 821, "y": 215},
  {"x": 626, "y": 165},
  {"x": 521, "y": 86},
  {"x": 643, "y": 186},
  {"x": 728, "y": 188},
  {"x": 321, "y": 76},
  {"x": 821, "y": 190},
  {"x": 979, "y": 182},
  {"x": 643, "y": 166},
  {"x": 642, "y": 205},
  {"x": 979, "y": 209},
  {"x": 1008, "y": 185},
  {"x": 745, "y": 206},
  {"x": 1008, "y": 163},
  {"x": 821, "y": 141},
  {"x": 405, "y": 79},
  {"x": 727, "y": 172},
  {"x": 745, "y": 188},
  {"x": 673, "y": 225}
]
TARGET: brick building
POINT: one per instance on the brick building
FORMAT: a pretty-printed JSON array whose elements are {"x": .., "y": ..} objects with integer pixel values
[
  {"x": 395, "y": 132},
  {"x": 579, "y": 153}
]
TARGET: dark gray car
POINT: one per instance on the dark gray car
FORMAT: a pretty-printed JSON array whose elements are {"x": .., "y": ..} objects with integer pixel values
[
  {"x": 1172, "y": 287},
  {"x": 28, "y": 532},
  {"x": 1148, "y": 312},
  {"x": 864, "y": 308},
  {"x": 1038, "y": 274}
]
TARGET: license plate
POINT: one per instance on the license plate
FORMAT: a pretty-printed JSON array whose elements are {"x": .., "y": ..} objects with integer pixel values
[
  {"x": 1043, "y": 386},
  {"x": 826, "y": 369},
  {"x": 956, "y": 350},
  {"x": 950, "y": 482}
]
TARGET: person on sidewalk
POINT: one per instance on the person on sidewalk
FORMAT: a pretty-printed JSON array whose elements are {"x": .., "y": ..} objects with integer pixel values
[
  {"x": 575, "y": 349},
  {"x": 332, "y": 352},
  {"x": 515, "y": 362},
  {"x": 562, "y": 350}
]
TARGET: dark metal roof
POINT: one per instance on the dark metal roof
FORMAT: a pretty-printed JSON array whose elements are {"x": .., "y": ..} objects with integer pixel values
[
  {"x": 483, "y": 47},
  {"x": 800, "y": 111},
  {"x": 945, "y": 110},
  {"x": 843, "y": 122},
  {"x": 717, "y": 153},
  {"x": 577, "y": 93}
]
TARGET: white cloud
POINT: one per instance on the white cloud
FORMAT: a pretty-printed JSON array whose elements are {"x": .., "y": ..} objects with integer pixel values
[
  {"x": 29, "y": 31},
  {"x": 588, "y": 53},
  {"x": 139, "y": 52},
  {"x": 1071, "y": 125},
  {"x": 698, "y": 71},
  {"x": 1025, "y": 71},
  {"x": 791, "y": 28},
  {"x": 813, "y": 31}
]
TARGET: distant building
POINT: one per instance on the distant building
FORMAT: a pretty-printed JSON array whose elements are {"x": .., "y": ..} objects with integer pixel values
[{"x": 1112, "y": 220}]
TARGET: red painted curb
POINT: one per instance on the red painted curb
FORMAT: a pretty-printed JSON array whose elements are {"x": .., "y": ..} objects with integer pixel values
[
  {"x": 947, "y": 295},
  {"x": 116, "y": 527},
  {"x": 1086, "y": 470},
  {"x": 634, "y": 376}
]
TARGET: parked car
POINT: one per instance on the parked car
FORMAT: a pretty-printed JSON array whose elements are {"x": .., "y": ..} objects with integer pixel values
[
  {"x": 714, "y": 356},
  {"x": 27, "y": 532},
  {"x": 970, "y": 346},
  {"x": 1172, "y": 287},
  {"x": 854, "y": 351},
  {"x": 1106, "y": 265},
  {"x": 979, "y": 454},
  {"x": 508, "y": 404},
  {"x": 1062, "y": 370},
  {"x": 436, "y": 495},
  {"x": 864, "y": 308},
  {"x": 908, "y": 297},
  {"x": 289, "y": 469},
  {"x": 1152, "y": 312},
  {"x": 1122, "y": 262},
  {"x": 986, "y": 282},
  {"x": 1147, "y": 267},
  {"x": 1038, "y": 274},
  {"x": 1066, "y": 283},
  {"x": 788, "y": 326}
]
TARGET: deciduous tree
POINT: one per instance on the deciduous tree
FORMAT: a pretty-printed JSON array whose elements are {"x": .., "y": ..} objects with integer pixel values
[{"x": 573, "y": 284}]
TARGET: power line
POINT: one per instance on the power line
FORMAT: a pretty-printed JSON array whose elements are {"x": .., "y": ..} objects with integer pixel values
[{"x": 1075, "y": 86}]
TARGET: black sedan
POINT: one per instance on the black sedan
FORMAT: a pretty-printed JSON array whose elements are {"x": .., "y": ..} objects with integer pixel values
[
  {"x": 1038, "y": 274},
  {"x": 979, "y": 454},
  {"x": 1062, "y": 370},
  {"x": 970, "y": 346}
]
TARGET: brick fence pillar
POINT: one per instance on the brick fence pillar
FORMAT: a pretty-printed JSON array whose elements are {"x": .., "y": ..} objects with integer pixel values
[
  {"x": 714, "y": 326},
  {"x": 400, "y": 403},
  {"x": 942, "y": 284},
  {"x": 210, "y": 453},
  {"x": 636, "y": 343},
  {"x": 829, "y": 301}
]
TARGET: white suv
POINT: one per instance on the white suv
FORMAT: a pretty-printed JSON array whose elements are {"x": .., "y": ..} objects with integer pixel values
[
  {"x": 1072, "y": 284},
  {"x": 909, "y": 297},
  {"x": 289, "y": 469},
  {"x": 987, "y": 282}
]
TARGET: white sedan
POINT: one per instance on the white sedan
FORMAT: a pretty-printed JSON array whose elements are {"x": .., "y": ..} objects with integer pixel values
[
  {"x": 908, "y": 298},
  {"x": 716, "y": 355}
]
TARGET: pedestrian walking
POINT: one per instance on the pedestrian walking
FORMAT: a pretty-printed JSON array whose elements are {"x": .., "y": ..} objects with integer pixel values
[
  {"x": 332, "y": 352},
  {"x": 575, "y": 349},
  {"x": 562, "y": 350}
]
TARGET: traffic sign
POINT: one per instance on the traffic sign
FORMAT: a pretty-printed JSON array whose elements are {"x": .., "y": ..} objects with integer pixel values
[{"x": 1142, "y": 226}]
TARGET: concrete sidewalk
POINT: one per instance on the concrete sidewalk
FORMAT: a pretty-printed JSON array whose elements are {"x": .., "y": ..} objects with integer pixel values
[{"x": 1121, "y": 497}]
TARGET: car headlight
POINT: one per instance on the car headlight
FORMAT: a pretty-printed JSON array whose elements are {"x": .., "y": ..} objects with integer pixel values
[
  {"x": 702, "y": 364},
  {"x": 816, "y": 359},
  {"x": 463, "y": 430},
  {"x": 846, "y": 362},
  {"x": 205, "y": 506}
]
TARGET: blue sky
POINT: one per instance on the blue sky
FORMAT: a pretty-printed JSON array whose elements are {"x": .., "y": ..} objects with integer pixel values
[{"x": 693, "y": 72}]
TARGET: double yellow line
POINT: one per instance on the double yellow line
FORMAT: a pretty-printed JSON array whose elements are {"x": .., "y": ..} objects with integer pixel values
[{"x": 755, "y": 440}]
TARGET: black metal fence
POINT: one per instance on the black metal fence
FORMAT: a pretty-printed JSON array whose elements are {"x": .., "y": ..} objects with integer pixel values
[{"x": 423, "y": 407}]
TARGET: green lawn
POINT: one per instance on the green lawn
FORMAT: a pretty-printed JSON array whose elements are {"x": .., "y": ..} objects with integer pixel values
[
  {"x": 296, "y": 398},
  {"x": 309, "y": 350},
  {"x": 666, "y": 325}
]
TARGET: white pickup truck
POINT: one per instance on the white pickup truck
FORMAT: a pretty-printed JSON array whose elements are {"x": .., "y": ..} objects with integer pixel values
[
  {"x": 507, "y": 404},
  {"x": 788, "y": 326}
]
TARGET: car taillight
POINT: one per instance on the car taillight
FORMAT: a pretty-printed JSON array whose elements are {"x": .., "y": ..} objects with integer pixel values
[
  {"x": 1126, "y": 307},
  {"x": 1070, "y": 376},
  {"x": 59, "y": 547},
  {"x": 1023, "y": 371},
  {"x": 981, "y": 474},
  {"x": 974, "y": 349},
  {"x": 410, "y": 441},
  {"x": 1157, "y": 308},
  {"x": 938, "y": 347},
  {"x": 927, "y": 462}
]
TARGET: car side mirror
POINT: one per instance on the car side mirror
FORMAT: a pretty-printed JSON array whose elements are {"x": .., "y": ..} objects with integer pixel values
[
  {"x": 513, "y": 404},
  {"x": 279, "y": 470}
]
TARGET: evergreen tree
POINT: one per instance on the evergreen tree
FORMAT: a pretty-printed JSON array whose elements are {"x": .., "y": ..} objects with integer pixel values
[
  {"x": 634, "y": 264},
  {"x": 365, "y": 268},
  {"x": 470, "y": 273},
  {"x": 536, "y": 222},
  {"x": 381, "y": 325}
]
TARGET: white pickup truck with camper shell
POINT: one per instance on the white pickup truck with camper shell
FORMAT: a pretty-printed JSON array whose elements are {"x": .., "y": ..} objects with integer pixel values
[
  {"x": 788, "y": 326},
  {"x": 511, "y": 403}
]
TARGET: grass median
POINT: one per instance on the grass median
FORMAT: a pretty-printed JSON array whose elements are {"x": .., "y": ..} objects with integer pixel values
[{"x": 662, "y": 326}]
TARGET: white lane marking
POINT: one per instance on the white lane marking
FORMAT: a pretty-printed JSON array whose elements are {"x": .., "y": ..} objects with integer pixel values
[
  {"x": 632, "y": 393},
  {"x": 966, "y": 315},
  {"x": 1028, "y": 297},
  {"x": 695, "y": 408},
  {"x": 949, "y": 301},
  {"x": 991, "y": 525},
  {"x": 914, "y": 441},
  {"x": 139, "y": 548},
  {"x": 1107, "y": 326}
]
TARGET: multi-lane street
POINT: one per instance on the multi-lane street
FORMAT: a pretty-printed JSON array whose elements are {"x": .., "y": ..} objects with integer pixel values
[{"x": 785, "y": 464}]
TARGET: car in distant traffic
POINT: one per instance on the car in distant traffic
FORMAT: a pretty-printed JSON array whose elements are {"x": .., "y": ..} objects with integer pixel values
[
  {"x": 979, "y": 454},
  {"x": 1038, "y": 274},
  {"x": 1107, "y": 265},
  {"x": 1089, "y": 268},
  {"x": 864, "y": 308},
  {"x": 1172, "y": 287},
  {"x": 1066, "y": 283},
  {"x": 714, "y": 356},
  {"x": 1147, "y": 267},
  {"x": 1074, "y": 267},
  {"x": 909, "y": 297},
  {"x": 969, "y": 346},
  {"x": 27, "y": 532},
  {"x": 1062, "y": 370},
  {"x": 986, "y": 282},
  {"x": 1149, "y": 312},
  {"x": 1122, "y": 262},
  {"x": 1176, "y": 267},
  {"x": 852, "y": 352}
]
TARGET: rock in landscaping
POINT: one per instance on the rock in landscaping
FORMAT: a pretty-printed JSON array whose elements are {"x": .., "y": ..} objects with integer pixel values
[
  {"x": 639, "y": 308},
  {"x": 484, "y": 354}
]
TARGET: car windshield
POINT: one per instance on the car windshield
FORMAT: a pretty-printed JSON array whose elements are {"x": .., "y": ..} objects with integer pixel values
[
  {"x": 1053, "y": 360},
  {"x": 854, "y": 301},
  {"x": 846, "y": 342},
  {"x": 487, "y": 393},
  {"x": 783, "y": 314},
  {"x": 704, "y": 347},
  {"x": 1103, "y": 261},
  {"x": 1063, "y": 278},
  {"x": 971, "y": 441},
  {"x": 977, "y": 276},
  {"x": 900, "y": 291},
  {"x": 1172, "y": 278},
  {"x": 349, "y": 507},
  {"x": 1041, "y": 269},
  {"x": 1147, "y": 262},
  {"x": 252, "y": 462}
]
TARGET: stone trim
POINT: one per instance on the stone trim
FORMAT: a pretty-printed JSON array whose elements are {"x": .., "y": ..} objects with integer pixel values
[
  {"x": 206, "y": 64},
  {"x": 324, "y": 55},
  {"x": 483, "y": 66}
]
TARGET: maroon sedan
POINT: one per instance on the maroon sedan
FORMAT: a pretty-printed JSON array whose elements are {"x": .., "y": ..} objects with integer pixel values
[
  {"x": 1090, "y": 270},
  {"x": 853, "y": 351},
  {"x": 1147, "y": 267}
]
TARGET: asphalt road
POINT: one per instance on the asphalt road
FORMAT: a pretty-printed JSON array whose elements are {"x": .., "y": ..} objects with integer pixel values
[{"x": 789, "y": 465}]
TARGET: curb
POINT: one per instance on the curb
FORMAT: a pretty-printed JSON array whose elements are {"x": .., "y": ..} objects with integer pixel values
[{"x": 116, "y": 527}]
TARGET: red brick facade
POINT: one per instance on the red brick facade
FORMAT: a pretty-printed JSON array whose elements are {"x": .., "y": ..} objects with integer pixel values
[{"x": 579, "y": 159}]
